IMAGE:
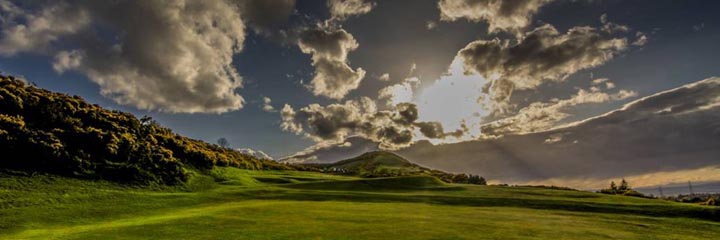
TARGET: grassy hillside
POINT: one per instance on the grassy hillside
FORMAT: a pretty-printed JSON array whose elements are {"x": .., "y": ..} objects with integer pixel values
[
  {"x": 56, "y": 133},
  {"x": 232, "y": 203},
  {"x": 387, "y": 164},
  {"x": 376, "y": 162},
  {"x": 66, "y": 162}
]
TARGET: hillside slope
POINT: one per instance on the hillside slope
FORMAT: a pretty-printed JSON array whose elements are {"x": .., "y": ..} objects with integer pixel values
[
  {"x": 378, "y": 161},
  {"x": 387, "y": 164},
  {"x": 323, "y": 206},
  {"x": 43, "y": 131}
]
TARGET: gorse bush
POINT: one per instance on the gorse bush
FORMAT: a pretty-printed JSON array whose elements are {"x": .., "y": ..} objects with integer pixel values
[{"x": 43, "y": 131}]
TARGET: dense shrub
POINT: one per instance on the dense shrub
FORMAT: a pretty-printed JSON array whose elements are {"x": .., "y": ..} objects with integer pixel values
[{"x": 43, "y": 131}]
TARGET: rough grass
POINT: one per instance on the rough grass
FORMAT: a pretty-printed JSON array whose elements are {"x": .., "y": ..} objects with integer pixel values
[
  {"x": 229, "y": 203},
  {"x": 408, "y": 183}
]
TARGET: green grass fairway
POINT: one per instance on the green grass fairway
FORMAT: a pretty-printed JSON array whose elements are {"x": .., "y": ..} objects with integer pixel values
[{"x": 230, "y": 203}]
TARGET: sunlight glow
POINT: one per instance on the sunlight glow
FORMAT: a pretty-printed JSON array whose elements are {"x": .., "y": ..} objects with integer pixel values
[{"x": 454, "y": 99}]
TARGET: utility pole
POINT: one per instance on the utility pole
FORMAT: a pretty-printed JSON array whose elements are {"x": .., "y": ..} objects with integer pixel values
[
  {"x": 661, "y": 192},
  {"x": 691, "y": 189}
]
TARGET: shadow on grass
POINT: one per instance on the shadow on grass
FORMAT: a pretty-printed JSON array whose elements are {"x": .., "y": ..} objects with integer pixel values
[{"x": 659, "y": 210}]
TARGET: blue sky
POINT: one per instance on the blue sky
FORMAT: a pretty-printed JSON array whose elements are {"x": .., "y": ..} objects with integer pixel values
[{"x": 681, "y": 48}]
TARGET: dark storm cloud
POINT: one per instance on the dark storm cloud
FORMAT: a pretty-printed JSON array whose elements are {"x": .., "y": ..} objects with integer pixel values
[
  {"x": 505, "y": 15},
  {"x": 172, "y": 56},
  {"x": 543, "y": 54},
  {"x": 329, "y": 48},
  {"x": 431, "y": 129},
  {"x": 671, "y": 131},
  {"x": 264, "y": 16}
]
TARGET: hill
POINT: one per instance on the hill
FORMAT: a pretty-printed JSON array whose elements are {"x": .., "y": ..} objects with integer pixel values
[
  {"x": 243, "y": 204},
  {"x": 377, "y": 161},
  {"x": 43, "y": 131},
  {"x": 387, "y": 164}
]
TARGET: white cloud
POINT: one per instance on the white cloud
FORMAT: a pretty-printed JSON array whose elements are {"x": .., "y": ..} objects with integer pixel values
[
  {"x": 24, "y": 31},
  {"x": 543, "y": 116},
  {"x": 255, "y": 153},
  {"x": 641, "y": 40},
  {"x": 66, "y": 60},
  {"x": 500, "y": 15},
  {"x": 399, "y": 93},
  {"x": 169, "y": 56},
  {"x": 332, "y": 124},
  {"x": 385, "y": 77},
  {"x": 342, "y": 9},
  {"x": 267, "y": 105},
  {"x": 334, "y": 78},
  {"x": 674, "y": 131},
  {"x": 543, "y": 54},
  {"x": 454, "y": 100}
]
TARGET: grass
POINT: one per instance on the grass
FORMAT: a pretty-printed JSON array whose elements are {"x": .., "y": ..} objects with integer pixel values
[{"x": 229, "y": 203}]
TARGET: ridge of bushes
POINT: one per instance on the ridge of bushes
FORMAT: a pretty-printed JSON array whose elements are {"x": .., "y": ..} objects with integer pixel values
[{"x": 44, "y": 131}]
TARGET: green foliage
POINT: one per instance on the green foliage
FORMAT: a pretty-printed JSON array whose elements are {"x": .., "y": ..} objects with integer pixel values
[
  {"x": 42, "y": 131},
  {"x": 624, "y": 189},
  {"x": 476, "y": 179}
]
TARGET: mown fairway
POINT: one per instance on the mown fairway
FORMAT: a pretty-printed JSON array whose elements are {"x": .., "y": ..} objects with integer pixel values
[{"x": 239, "y": 204}]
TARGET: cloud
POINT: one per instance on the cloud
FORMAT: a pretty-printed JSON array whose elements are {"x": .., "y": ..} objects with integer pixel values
[
  {"x": 698, "y": 27},
  {"x": 399, "y": 93},
  {"x": 671, "y": 136},
  {"x": 385, "y": 77},
  {"x": 67, "y": 60},
  {"x": 267, "y": 105},
  {"x": 392, "y": 129},
  {"x": 611, "y": 27},
  {"x": 500, "y": 15},
  {"x": 543, "y": 116},
  {"x": 644, "y": 180},
  {"x": 463, "y": 92},
  {"x": 431, "y": 25},
  {"x": 543, "y": 54},
  {"x": 641, "y": 40},
  {"x": 334, "y": 78},
  {"x": 153, "y": 55},
  {"x": 255, "y": 153},
  {"x": 266, "y": 15},
  {"x": 326, "y": 152},
  {"x": 24, "y": 31},
  {"x": 343, "y": 9},
  {"x": 671, "y": 131},
  {"x": 335, "y": 122}
]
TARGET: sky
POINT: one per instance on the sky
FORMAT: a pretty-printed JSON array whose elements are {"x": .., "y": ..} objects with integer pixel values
[{"x": 514, "y": 90}]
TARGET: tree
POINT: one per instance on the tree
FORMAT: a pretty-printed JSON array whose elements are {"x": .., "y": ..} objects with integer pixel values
[
  {"x": 222, "y": 142},
  {"x": 460, "y": 178},
  {"x": 482, "y": 181},
  {"x": 623, "y": 186},
  {"x": 613, "y": 186},
  {"x": 477, "y": 179}
]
